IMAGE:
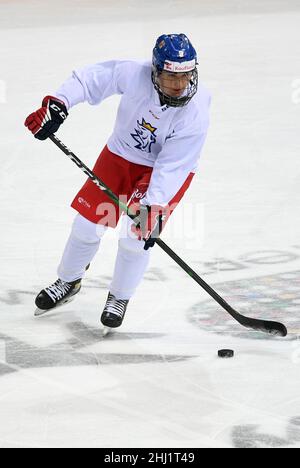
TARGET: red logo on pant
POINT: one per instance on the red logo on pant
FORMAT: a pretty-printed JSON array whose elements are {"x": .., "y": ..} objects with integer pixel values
[{"x": 82, "y": 201}]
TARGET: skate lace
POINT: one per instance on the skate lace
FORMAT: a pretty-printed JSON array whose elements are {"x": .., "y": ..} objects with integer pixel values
[
  {"x": 58, "y": 289},
  {"x": 116, "y": 306}
]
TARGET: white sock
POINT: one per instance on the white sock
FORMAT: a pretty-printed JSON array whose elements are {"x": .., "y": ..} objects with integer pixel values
[
  {"x": 131, "y": 263},
  {"x": 82, "y": 246}
]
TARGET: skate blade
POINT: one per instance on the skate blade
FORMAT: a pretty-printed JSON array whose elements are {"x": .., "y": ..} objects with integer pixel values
[
  {"x": 107, "y": 331},
  {"x": 38, "y": 312}
]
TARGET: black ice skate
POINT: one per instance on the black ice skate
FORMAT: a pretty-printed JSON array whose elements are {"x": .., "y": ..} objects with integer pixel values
[
  {"x": 114, "y": 312},
  {"x": 57, "y": 294}
]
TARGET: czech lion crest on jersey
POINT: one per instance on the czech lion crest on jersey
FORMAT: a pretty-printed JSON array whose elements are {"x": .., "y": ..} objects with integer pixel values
[{"x": 144, "y": 136}]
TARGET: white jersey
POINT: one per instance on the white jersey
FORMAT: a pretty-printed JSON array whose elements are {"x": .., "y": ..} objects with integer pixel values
[{"x": 166, "y": 138}]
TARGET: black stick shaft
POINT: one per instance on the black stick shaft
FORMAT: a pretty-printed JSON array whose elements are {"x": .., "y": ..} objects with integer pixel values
[
  {"x": 196, "y": 277},
  {"x": 262, "y": 325}
]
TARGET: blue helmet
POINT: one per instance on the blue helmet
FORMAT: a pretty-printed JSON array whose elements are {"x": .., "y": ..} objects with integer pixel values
[{"x": 174, "y": 53}]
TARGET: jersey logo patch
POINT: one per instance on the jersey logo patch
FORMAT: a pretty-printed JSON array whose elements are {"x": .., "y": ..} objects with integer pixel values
[{"x": 144, "y": 135}]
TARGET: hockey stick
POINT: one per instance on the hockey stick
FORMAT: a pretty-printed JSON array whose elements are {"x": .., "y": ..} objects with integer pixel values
[{"x": 270, "y": 327}]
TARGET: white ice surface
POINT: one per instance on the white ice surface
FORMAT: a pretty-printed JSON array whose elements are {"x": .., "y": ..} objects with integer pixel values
[{"x": 157, "y": 382}]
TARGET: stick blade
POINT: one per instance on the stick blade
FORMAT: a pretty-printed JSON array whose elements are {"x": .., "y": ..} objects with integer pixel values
[
  {"x": 275, "y": 329},
  {"x": 265, "y": 326}
]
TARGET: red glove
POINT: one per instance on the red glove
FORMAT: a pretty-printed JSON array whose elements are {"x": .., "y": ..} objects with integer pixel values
[
  {"x": 47, "y": 120},
  {"x": 149, "y": 222}
]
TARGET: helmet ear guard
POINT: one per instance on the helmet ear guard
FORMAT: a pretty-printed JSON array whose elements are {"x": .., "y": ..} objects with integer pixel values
[{"x": 173, "y": 54}]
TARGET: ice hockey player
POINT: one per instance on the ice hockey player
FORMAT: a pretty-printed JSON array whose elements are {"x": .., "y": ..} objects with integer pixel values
[{"x": 150, "y": 160}]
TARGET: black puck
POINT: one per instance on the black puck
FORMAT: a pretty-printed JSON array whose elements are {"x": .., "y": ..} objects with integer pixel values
[{"x": 226, "y": 353}]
